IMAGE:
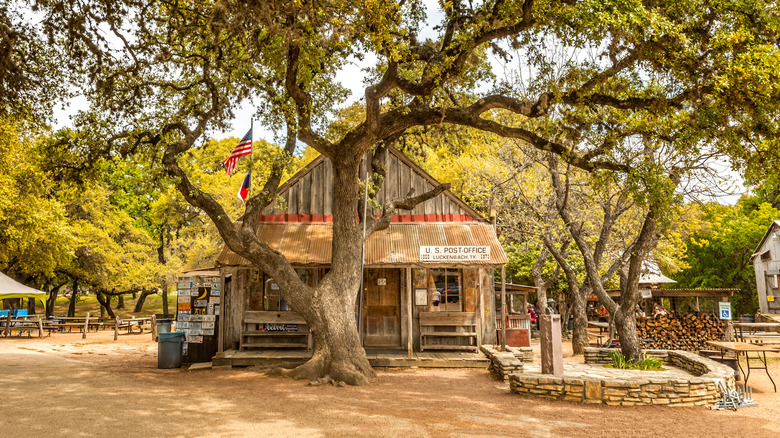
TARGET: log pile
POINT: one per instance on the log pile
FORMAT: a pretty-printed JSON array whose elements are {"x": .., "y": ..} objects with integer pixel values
[{"x": 680, "y": 331}]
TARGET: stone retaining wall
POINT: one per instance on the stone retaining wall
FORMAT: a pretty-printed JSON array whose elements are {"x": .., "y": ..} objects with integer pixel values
[
  {"x": 523, "y": 354},
  {"x": 502, "y": 363},
  {"x": 700, "y": 389}
]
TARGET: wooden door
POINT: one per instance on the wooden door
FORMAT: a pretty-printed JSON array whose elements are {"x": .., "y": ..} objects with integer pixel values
[{"x": 382, "y": 308}]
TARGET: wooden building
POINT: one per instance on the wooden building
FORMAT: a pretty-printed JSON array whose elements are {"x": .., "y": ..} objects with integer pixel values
[
  {"x": 766, "y": 262},
  {"x": 197, "y": 313},
  {"x": 428, "y": 278}
]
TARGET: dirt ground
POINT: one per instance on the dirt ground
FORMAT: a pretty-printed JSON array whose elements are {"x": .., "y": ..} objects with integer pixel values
[{"x": 63, "y": 385}]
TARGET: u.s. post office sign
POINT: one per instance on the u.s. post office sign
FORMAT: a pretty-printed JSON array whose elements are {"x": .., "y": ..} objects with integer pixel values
[{"x": 454, "y": 253}]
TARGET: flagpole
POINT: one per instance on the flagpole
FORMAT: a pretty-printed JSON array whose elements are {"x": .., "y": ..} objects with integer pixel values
[
  {"x": 251, "y": 153},
  {"x": 363, "y": 254}
]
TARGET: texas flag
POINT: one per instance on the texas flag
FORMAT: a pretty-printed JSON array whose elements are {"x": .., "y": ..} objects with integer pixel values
[{"x": 243, "y": 192}]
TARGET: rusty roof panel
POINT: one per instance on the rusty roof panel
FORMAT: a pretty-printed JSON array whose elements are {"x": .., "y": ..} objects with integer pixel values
[
  {"x": 458, "y": 235},
  {"x": 272, "y": 235},
  {"x": 486, "y": 235},
  {"x": 378, "y": 248},
  {"x": 310, "y": 244},
  {"x": 406, "y": 243},
  {"x": 431, "y": 235},
  {"x": 320, "y": 244},
  {"x": 295, "y": 244}
]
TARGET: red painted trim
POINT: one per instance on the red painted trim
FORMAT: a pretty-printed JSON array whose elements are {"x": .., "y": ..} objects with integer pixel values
[{"x": 398, "y": 218}]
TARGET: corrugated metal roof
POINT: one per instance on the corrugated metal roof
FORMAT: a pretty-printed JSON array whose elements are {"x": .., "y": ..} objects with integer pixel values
[{"x": 399, "y": 244}]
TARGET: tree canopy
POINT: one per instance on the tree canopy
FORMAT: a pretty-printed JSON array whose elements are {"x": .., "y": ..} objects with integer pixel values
[{"x": 640, "y": 92}]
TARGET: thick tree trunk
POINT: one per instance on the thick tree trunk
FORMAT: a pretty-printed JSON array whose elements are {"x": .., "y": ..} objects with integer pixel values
[
  {"x": 105, "y": 305},
  {"x": 625, "y": 324},
  {"x": 330, "y": 310},
  {"x": 31, "y": 306},
  {"x": 120, "y": 302},
  {"x": 51, "y": 300},
  {"x": 139, "y": 305},
  {"x": 165, "y": 298},
  {"x": 338, "y": 354},
  {"x": 73, "y": 297},
  {"x": 579, "y": 336}
]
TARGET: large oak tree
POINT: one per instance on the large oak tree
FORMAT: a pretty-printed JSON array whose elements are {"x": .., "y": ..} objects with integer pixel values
[{"x": 164, "y": 75}]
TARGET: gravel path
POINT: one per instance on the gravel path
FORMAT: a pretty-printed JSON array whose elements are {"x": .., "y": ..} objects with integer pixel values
[{"x": 67, "y": 386}]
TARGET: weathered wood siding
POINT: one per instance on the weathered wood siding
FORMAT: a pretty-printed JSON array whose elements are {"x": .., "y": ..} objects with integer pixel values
[
  {"x": 765, "y": 267},
  {"x": 309, "y": 195},
  {"x": 233, "y": 298}
]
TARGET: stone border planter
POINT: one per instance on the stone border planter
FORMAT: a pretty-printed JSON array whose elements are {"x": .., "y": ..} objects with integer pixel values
[
  {"x": 505, "y": 363},
  {"x": 698, "y": 390}
]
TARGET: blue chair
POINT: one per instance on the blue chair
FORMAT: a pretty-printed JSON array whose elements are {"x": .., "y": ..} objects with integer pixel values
[
  {"x": 4, "y": 312},
  {"x": 20, "y": 312}
]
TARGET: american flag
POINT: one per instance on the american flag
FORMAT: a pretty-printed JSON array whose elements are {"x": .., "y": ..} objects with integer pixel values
[{"x": 244, "y": 147}]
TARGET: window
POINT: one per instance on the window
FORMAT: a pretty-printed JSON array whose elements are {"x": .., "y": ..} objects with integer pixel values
[
  {"x": 446, "y": 294},
  {"x": 272, "y": 297}
]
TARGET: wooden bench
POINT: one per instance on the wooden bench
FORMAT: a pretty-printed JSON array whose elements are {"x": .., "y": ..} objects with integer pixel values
[
  {"x": 449, "y": 331},
  {"x": 22, "y": 324},
  {"x": 271, "y": 329},
  {"x": 29, "y": 329},
  {"x": 130, "y": 324}
]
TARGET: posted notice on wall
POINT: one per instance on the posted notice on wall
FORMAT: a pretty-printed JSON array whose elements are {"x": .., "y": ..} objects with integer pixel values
[{"x": 454, "y": 253}]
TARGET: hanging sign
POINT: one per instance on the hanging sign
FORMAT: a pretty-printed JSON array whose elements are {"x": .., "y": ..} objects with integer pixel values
[
  {"x": 724, "y": 310},
  {"x": 454, "y": 253}
]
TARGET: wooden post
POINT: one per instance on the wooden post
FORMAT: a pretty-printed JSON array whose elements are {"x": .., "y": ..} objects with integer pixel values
[
  {"x": 503, "y": 308},
  {"x": 86, "y": 327},
  {"x": 154, "y": 327},
  {"x": 8, "y": 324},
  {"x": 40, "y": 327},
  {"x": 222, "y": 301},
  {"x": 116, "y": 328},
  {"x": 483, "y": 327},
  {"x": 410, "y": 310}
]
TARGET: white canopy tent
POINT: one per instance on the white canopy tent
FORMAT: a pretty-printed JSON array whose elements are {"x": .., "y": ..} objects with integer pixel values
[{"x": 10, "y": 288}]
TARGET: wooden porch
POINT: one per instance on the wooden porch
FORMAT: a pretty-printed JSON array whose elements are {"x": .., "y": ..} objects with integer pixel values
[{"x": 377, "y": 358}]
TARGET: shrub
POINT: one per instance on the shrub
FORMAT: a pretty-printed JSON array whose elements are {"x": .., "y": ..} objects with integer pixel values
[{"x": 648, "y": 363}]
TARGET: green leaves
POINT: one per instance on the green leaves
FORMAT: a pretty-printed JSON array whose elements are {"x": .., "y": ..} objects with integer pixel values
[{"x": 719, "y": 252}]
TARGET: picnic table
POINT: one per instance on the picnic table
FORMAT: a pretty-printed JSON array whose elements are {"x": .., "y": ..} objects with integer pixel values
[
  {"x": 21, "y": 324},
  {"x": 756, "y": 330},
  {"x": 132, "y": 323},
  {"x": 602, "y": 326},
  {"x": 744, "y": 348}
]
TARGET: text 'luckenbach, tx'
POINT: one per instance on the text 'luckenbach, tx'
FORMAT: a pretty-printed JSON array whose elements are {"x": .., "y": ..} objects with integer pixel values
[{"x": 454, "y": 253}]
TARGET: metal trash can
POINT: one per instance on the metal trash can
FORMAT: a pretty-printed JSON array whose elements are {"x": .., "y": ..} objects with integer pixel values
[
  {"x": 169, "y": 352},
  {"x": 748, "y": 318},
  {"x": 163, "y": 325}
]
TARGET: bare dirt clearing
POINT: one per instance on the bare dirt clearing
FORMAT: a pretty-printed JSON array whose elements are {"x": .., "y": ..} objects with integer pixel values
[{"x": 64, "y": 385}]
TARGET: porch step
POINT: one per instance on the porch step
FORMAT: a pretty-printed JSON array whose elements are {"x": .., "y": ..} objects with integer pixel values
[
  {"x": 266, "y": 334},
  {"x": 452, "y": 334},
  {"x": 273, "y": 345},
  {"x": 452, "y": 347}
]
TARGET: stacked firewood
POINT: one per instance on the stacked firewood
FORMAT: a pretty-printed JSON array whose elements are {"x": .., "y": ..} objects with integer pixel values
[{"x": 680, "y": 331}]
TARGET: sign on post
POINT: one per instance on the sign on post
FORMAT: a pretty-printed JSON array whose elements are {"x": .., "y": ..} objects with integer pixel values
[
  {"x": 454, "y": 253},
  {"x": 724, "y": 310}
]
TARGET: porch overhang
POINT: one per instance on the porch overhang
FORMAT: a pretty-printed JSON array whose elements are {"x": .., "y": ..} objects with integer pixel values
[{"x": 309, "y": 244}]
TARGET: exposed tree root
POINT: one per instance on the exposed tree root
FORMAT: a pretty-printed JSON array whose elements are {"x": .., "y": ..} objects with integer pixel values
[{"x": 319, "y": 371}]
